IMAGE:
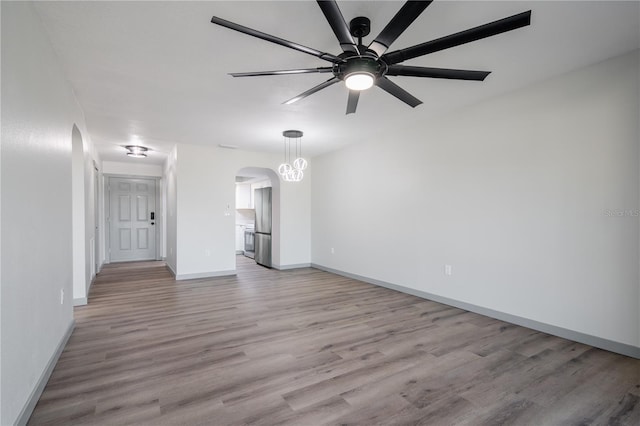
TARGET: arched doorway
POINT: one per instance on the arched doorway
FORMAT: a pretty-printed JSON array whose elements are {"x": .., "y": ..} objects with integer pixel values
[
  {"x": 78, "y": 218},
  {"x": 248, "y": 179}
]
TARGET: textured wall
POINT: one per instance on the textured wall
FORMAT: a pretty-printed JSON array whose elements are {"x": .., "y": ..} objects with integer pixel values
[
  {"x": 531, "y": 197},
  {"x": 38, "y": 115}
]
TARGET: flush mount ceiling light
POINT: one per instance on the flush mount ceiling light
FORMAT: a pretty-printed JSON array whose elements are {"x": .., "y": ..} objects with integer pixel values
[
  {"x": 292, "y": 172},
  {"x": 136, "y": 151}
]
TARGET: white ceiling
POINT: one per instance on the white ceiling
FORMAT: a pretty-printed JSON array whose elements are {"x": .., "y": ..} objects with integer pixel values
[{"x": 158, "y": 70}]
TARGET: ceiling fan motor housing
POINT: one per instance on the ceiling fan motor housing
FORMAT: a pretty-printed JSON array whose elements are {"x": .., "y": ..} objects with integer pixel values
[
  {"x": 359, "y": 64},
  {"x": 360, "y": 27}
]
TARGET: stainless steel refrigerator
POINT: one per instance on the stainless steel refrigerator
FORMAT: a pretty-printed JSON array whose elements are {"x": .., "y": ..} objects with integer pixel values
[{"x": 262, "y": 203}]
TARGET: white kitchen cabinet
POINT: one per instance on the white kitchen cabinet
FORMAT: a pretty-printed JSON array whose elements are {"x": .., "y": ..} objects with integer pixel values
[
  {"x": 244, "y": 193},
  {"x": 262, "y": 184},
  {"x": 244, "y": 196}
]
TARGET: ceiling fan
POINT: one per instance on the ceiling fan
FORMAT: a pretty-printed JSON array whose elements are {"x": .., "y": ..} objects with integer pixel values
[{"x": 362, "y": 67}]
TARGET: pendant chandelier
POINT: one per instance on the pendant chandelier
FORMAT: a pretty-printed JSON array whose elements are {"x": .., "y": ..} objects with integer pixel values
[{"x": 292, "y": 171}]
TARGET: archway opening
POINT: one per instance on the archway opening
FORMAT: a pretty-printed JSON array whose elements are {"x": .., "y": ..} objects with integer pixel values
[
  {"x": 248, "y": 181},
  {"x": 78, "y": 218}
]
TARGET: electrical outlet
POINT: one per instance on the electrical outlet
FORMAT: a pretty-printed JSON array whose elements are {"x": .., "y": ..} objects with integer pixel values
[
  {"x": 332, "y": 251},
  {"x": 448, "y": 270},
  {"x": 62, "y": 296},
  {"x": 207, "y": 252}
]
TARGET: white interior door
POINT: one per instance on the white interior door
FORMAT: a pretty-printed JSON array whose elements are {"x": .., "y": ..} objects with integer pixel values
[{"x": 132, "y": 206}]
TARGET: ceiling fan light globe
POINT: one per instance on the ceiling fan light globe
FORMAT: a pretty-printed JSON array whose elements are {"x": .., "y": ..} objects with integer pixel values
[
  {"x": 300, "y": 163},
  {"x": 136, "y": 154},
  {"x": 359, "y": 81}
]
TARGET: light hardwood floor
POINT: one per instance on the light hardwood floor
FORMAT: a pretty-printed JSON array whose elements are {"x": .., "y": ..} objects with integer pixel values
[{"x": 306, "y": 347}]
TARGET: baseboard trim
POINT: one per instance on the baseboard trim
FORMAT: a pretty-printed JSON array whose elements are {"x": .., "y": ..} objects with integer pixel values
[
  {"x": 211, "y": 274},
  {"x": 291, "y": 266},
  {"x": 93, "y": 280},
  {"x": 79, "y": 301},
  {"x": 170, "y": 269},
  {"x": 27, "y": 410},
  {"x": 576, "y": 336}
]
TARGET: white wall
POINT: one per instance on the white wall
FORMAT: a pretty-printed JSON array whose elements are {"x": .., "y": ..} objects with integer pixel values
[
  {"x": 1, "y": 344},
  {"x": 38, "y": 114},
  {"x": 131, "y": 169},
  {"x": 206, "y": 234},
  {"x": 170, "y": 196},
  {"x": 516, "y": 193},
  {"x": 84, "y": 160}
]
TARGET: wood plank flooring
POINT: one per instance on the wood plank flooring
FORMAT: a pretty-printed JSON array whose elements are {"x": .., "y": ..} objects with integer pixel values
[{"x": 305, "y": 347}]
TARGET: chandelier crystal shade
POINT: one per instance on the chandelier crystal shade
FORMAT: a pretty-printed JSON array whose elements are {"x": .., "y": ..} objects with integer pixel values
[{"x": 292, "y": 171}]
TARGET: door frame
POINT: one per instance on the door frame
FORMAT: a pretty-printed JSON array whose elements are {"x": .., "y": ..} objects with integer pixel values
[
  {"x": 96, "y": 220},
  {"x": 107, "y": 212}
]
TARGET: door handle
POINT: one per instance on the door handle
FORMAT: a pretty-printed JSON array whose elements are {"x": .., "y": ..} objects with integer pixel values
[{"x": 152, "y": 223}]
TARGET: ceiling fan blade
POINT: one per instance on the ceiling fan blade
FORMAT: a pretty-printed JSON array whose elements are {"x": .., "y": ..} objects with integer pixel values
[
  {"x": 457, "y": 39},
  {"x": 453, "y": 74},
  {"x": 338, "y": 25},
  {"x": 352, "y": 102},
  {"x": 282, "y": 72},
  {"x": 405, "y": 16},
  {"x": 277, "y": 40},
  {"x": 313, "y": 90},
  {"x": 390, "y": 87}
]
